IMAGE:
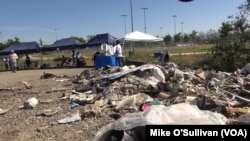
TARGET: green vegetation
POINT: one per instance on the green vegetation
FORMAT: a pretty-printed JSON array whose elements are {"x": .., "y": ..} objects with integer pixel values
[
  {"x": 232, "y": 50},
  {"x": 189, "y": 56}
]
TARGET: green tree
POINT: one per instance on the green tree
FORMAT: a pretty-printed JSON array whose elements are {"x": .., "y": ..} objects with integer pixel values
[
  {"x": 89, "y": 37},
  {"x": 2, "y": 46},
  {"x": 177, "y": 37},
  {"x": 232, "y": 50},
  {"x": 168, "y": 39},
  {"x": 11, "y": 41},
  {"x": 212, "y": 36},
  {"x": 193, "y": 36},
  {"x": 82, "y": 40},
  {"x": 186, "y": 38},
  {"x": 225, "y": 29}
]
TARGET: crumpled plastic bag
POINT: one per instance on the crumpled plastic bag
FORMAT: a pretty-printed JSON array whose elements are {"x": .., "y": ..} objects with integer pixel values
[
  {"x": 157, "y": 73},
  {"x": 246, "y": 69},
  {"x": 73, "y": 118},
  {"x": 182, "y": 113}
]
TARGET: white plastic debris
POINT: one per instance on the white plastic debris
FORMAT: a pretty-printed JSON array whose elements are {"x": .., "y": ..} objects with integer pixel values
[
  {"x": 30, "y": 103},
  {"x": 157, "y": 73},
  {"x": 182, "y": 113},
  {"x": 73, "y": 118},
  {"x": 3, "y": 111}
]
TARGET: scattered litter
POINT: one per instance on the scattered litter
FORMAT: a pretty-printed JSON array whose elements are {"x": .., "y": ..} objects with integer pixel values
[
  {"x": 41, "y": 128},
  {"x": 47, "y": 75},
  {"x": 27, "y": 85},
  {"x": 73, "y": 105},
  {"x": 3, "y": 111},
  {"x": 47, "y": 112},
  {"x": 62, "y": 80},
  {"x": 182, "y": 113},
  {"x": 132, "y": 97},
  {"x": 73, "y": 118},
  {"x": 101, "y": 102},
  {"x": 30, "y": 103}
]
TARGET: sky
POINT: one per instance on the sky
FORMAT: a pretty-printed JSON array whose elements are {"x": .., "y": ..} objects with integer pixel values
[{"x": 51, "y": 20}]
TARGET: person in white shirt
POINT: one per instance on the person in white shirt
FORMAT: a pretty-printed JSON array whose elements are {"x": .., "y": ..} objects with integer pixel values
[
  {"x": 118, "y": 53},
  {"x": 6, "y": 63},
  {"x": 105, "y": 48},
  {"x": 109, "y": 49},
  {"x": 112, "y": 49},
  {"x": 13, "y": 61},
  {"x": 78, "y": 57}
]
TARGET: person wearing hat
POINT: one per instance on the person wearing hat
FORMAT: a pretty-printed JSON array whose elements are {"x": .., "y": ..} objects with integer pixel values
[{"x": 13, "y": 61}]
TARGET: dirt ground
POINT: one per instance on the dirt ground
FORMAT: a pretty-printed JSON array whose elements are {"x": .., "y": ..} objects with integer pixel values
[{"x": 20, "y": 124}]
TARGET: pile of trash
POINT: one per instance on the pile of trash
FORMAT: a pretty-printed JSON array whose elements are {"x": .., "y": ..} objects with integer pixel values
[{"x": 136, "y": 96}]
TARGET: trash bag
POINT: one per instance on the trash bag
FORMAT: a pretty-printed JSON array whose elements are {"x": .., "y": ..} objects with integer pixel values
[{"x": 182, "y": 113}]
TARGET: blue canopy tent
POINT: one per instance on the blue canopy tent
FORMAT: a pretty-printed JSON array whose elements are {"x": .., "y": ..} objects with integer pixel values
[
  {"x": 99, "y": 39},
  {"x": 64, "y": 44},
  {"x": 22, "y": 48}
]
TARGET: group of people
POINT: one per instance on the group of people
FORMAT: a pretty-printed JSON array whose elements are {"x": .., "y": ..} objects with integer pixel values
[
  {"x": 11, "y": 61},
  {"x": 76, "y": 59},
  {"x": 110, "y": 50}
]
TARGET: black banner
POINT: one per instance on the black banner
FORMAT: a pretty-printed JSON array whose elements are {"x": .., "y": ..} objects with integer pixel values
[{"x": 219, "y": 132}]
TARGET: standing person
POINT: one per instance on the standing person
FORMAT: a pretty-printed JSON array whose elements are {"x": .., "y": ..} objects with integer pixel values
[
  {"x": 78, "y": 56},
  {"x": 166, "y": 58},
  {"x": 73, "y": 57},
  {"x": 103, "y": 48},
  {"x": 13, "y": 61},
  {"x": 118, "y": 53},
  {"x": 6, "y": 63},
  {"x": 64, "y": 60},
  {"x": 27, "y": 60},
  {"x": 94, "y": 57},
  {"x": 108, "y": 49},
  {"x": 112, "y": 49}
]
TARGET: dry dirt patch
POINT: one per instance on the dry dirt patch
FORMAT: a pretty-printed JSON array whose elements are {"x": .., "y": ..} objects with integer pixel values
[{"x": 25, "y": 124}]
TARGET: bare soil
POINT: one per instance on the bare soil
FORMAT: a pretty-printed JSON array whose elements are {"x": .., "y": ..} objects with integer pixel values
[{"x": 27, "y": 124}]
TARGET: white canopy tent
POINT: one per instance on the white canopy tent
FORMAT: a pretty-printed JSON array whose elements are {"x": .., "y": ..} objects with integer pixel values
[{"x": 137, "y": 36}]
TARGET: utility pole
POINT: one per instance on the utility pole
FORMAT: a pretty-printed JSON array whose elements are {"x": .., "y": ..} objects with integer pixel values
[
  {"x": 174, "y": 24},
  {"x": 182, "y": 32},
  {"x": 182, "y": 28},
  {"x": 145, "y": 27},
  {"x": 131, "y": 11},
  {"x": 124, "y": 15}
]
